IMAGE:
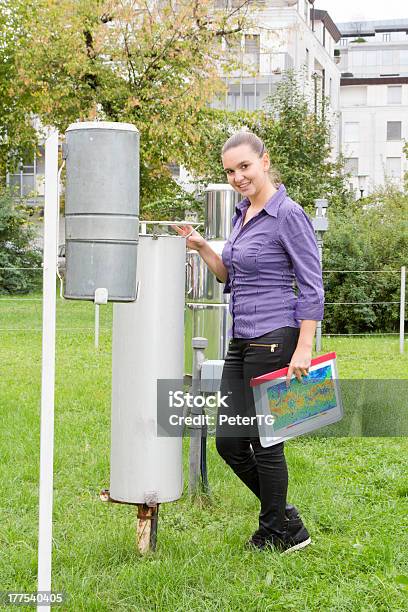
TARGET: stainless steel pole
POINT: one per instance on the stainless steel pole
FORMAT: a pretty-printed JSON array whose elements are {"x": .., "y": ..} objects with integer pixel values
[{"x": 402, "y": 310}]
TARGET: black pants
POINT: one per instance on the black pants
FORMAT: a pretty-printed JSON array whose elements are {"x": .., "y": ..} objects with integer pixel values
[{"x": 263, "y": 470}]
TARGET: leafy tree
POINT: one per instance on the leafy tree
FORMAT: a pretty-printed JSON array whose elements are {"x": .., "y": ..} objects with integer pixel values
[
  {"x": 372, "y": 234},
  {"x": 298, "y": 140},
  {"x": 16, "y": 247},
  {"x": 154, "y": 64},
  {"x": 17, "y": 133}
]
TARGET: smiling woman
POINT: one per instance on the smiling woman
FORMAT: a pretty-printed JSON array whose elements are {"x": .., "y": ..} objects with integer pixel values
[
  {"x": 256, "y": 146},
  {"x": 271, "y": 244}
]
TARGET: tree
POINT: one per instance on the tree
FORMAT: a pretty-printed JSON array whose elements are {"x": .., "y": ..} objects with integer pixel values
[
  {"x": 298, "y": 140},
  {"x": 17, "y": 133},
  {"x": 154, "y": 64},
  {"x": 16, "y": 247}
]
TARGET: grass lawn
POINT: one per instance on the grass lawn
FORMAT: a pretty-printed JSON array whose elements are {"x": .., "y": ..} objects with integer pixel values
[{"x": 352, "y": 492}]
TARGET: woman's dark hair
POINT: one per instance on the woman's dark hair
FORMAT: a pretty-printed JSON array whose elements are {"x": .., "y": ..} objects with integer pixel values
[{"x": 244, "y": 137}]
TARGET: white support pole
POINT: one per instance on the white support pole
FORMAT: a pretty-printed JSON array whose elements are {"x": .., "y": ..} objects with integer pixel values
[
  {"x": 96, "y": 326},
  {"x": 48, "y": 365},
  {"x": 402, "y": 310}
]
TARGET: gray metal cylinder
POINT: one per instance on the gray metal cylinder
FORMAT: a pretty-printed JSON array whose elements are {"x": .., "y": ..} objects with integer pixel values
[
  {"x": 219, "y": 208},
  {"x": 201, "y": 283},
  {"x": 207, "y": 306},
  {"x": 101, "y": 210},
  {"x": 147, "y": 346}
]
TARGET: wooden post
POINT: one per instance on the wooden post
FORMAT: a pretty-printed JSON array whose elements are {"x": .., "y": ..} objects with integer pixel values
[
  {"x": 146, "y": 528},
  {"x": 146, "y": 522}
]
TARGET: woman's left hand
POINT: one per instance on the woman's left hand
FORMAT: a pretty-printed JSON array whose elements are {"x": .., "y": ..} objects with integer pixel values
[{"x": 299, "y": 364}]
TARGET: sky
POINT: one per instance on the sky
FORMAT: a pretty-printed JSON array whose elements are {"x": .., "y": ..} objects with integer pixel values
[{"x": 364, "y": 10}]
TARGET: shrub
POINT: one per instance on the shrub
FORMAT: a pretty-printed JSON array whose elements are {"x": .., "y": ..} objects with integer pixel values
[
  {"x": 16, "y": 247},
  {"x": 372, "y": 234}
]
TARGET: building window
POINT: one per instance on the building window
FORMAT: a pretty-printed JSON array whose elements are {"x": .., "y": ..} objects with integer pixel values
[
  {"x": 249, "y": 97},
  {"x": 343, "y": 42},
  {"x": 371, "y": 58},
  {"x": 393, "y": 167},
  {"x": 252, "y": 43},
  {"x": 387, "y": 58},
  {"x": 351, "y": 166},
  {"x": 351, "y": 132},
  {"x": 394, "y": 94},
  {"x": 27, "y": 178},
  {"x": 394, "y": 129},
  {"x": 386, "y": 36},
  {"x": 234, "y": 97},
  {"x": 354, "y": 96},
  {"x": 40, "y": 160},
  {"x": 323, "y": 86},
  {"x": 358, "y": 58}
]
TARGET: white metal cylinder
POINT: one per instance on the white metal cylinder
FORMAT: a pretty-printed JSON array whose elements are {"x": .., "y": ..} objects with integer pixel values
[{"x": 148, "y": 345}]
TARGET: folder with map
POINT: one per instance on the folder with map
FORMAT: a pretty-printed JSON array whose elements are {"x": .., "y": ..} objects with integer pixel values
[{"x": 284, "y": 413}]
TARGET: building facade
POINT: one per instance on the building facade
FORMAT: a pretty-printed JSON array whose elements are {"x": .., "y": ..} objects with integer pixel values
[
  {"x": 373, "y": 125},
  {"x": 284, "y": 34}
]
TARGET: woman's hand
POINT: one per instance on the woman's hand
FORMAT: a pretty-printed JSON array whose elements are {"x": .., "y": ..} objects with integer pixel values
[
  {"x": 299, "y": 364},
  {"x": 194, "y": 241}
]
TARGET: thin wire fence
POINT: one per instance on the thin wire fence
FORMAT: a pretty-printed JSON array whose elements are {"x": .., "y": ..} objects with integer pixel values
[
  {"x": 329, "y": 334},
  {"x": 36, "y": 310}
]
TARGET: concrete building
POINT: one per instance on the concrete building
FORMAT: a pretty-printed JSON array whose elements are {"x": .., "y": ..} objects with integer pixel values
[
  {"x": 27, "y": 178},
  {"x": 373, "y": 126},
  {"x": 285, "y": 34}
]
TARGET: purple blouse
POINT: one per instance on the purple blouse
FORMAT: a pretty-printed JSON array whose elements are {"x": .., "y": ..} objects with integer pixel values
[{"x": 263, "y": 259}]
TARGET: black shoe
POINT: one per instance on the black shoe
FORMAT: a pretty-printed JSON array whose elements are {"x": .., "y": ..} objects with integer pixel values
[
  {"x": 291, "y": 516},
  {"x": 294, "y": 538},
  {"x": 291, "y": 512}
]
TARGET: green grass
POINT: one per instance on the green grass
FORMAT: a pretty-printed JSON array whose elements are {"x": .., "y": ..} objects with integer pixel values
[{"x": 352, "y": 492}]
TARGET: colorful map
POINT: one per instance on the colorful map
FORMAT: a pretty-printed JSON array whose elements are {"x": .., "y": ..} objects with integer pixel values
[{"x": 303, "y": 400}]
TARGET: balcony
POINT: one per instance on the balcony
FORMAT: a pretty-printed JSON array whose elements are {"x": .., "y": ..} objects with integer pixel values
[
  {"x": 233, "y": 4},
  {"x": 246, "y": 93},
  {"x": 262, "y": 64},
  {"x": 249, "y": 87}
]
